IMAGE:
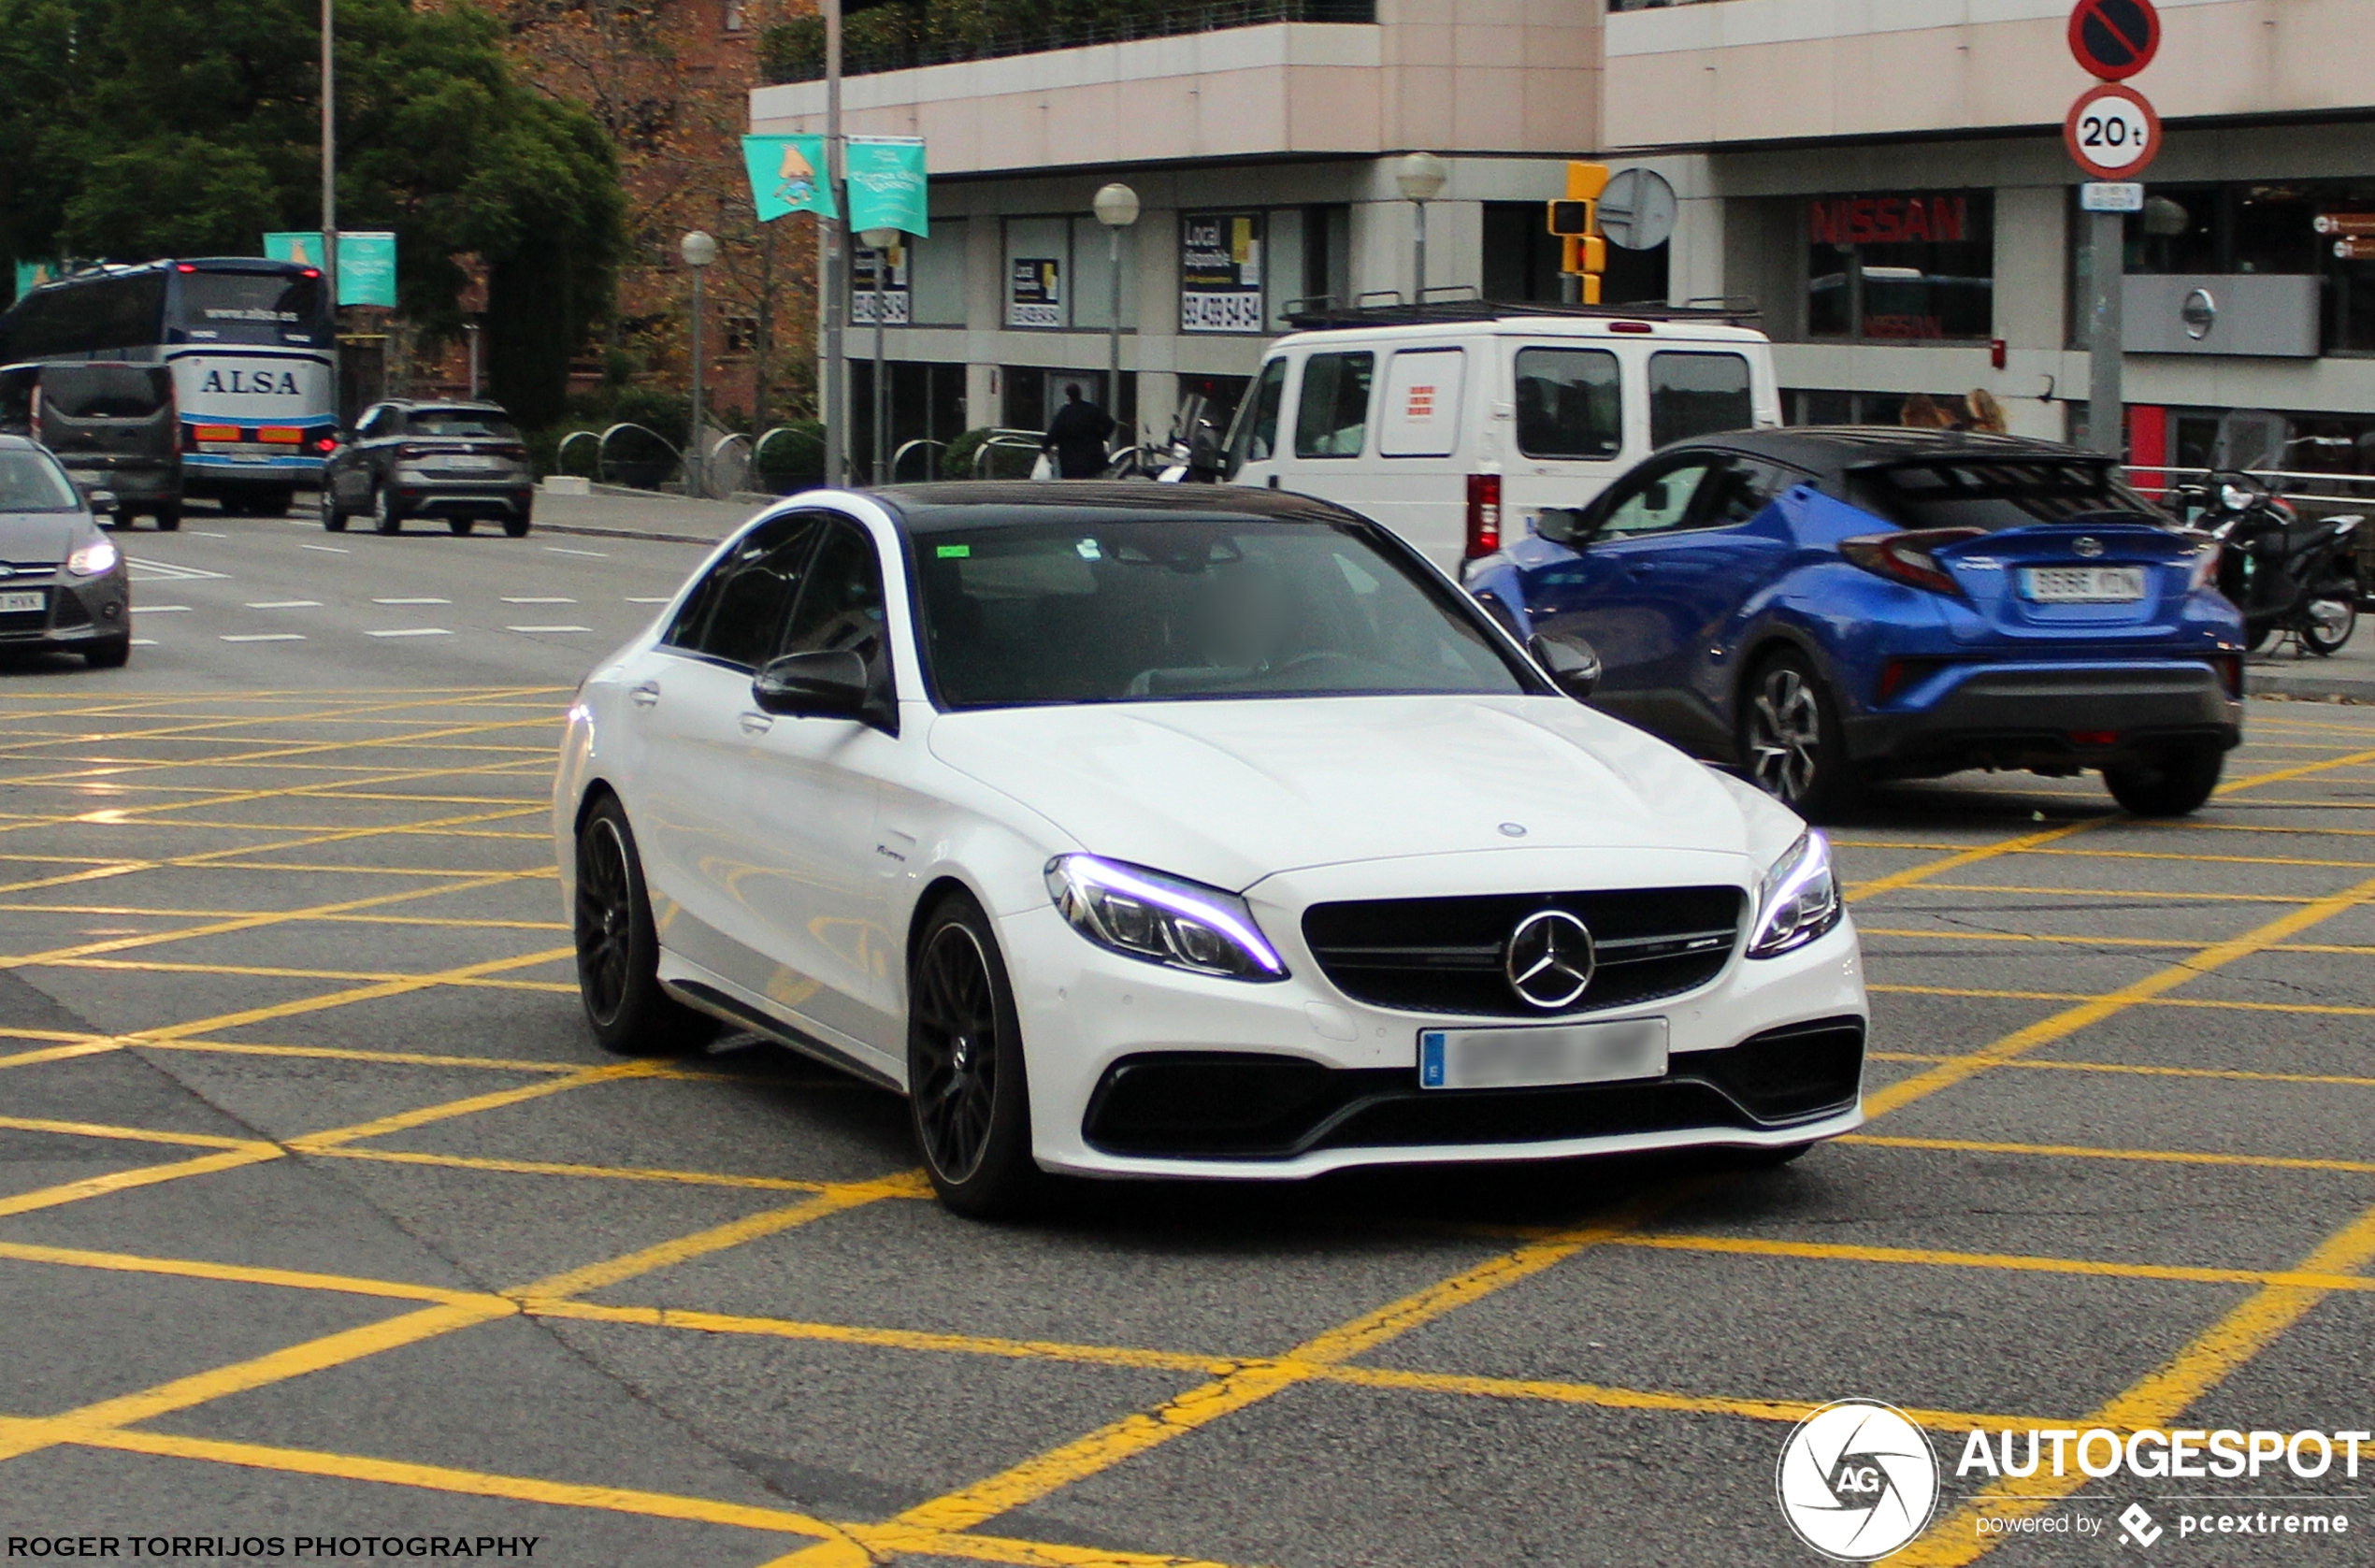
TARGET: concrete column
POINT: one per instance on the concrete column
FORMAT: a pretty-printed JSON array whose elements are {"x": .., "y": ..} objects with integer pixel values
[{"x": 984, "y": 301}]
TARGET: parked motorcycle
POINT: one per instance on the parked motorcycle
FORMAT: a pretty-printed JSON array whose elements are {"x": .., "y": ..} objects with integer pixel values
[
  {"x": 1189, "y": 456},
  {"x": 2285, "y": 574}
]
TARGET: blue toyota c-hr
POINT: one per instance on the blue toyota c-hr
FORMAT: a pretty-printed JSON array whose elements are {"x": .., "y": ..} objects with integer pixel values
[{"x": 1831, "y": 607}]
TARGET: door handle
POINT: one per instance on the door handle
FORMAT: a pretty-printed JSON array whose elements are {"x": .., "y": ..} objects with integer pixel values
[
  {"x": 645, "y": 695},
  {"x": 757, "y": 724}
]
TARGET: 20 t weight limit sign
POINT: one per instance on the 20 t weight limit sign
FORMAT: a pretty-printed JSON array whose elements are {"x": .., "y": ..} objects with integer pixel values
[{"x": 2113, "y": 133}]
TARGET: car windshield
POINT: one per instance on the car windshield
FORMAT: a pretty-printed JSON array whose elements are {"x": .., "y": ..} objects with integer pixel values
[
  {"x": 1162, "y": 609},
  {"x": 32, "y": 481},
  {"x": 461, "y": 422},
  {"x": 1995, "y": 494}
]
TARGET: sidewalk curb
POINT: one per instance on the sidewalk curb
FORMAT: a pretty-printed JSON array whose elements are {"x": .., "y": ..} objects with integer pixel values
[{"x": 652, "y": 536}]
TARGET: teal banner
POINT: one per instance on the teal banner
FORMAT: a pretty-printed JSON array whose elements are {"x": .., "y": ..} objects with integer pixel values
[
  {"x": 887, "y": 184},
  {"x": 31, "y": 274},
  {"x": 367, "y": 261},
  {"x": 787, "y": 175}
]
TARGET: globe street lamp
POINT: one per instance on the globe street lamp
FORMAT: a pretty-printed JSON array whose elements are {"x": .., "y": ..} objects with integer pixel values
[
  {"x": 699, "y": 250},
  {"x": 880, "y": 242},
  {"x": 1420, "y": 175},
  {"x": 1116, "y": 207}
]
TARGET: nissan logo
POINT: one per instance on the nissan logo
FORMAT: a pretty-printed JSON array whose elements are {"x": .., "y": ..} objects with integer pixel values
[
  {"x": 2088, "y": 546},
  {"x": 1549, "y": 959}
]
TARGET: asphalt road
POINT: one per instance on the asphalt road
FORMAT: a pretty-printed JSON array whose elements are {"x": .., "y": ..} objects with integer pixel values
[{"x": 322, "y": 1217}]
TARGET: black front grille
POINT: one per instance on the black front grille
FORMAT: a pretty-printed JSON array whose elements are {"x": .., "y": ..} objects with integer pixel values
[
  {"x": 1234, "y": 1105},
  {"x": 1445, "y": 956},
  {"x": 25, "y": 623}
]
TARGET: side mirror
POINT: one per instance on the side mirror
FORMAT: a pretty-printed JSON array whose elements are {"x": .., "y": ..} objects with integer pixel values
[
  {"x": 1572, "y": 663},
  {"x": 101, "y": 500},
  {"x": 829, "y": 684},
  {"x": 1559, "y": 524}
]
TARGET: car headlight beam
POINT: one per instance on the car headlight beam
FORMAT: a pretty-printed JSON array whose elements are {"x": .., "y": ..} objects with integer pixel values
[
  {"x": 92, "y": 559},
  {"x": 1798, "y": 901},
  {"x": 1162, "y": 919}
]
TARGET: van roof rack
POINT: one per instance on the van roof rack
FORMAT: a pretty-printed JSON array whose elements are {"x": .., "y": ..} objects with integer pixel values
[{"x": 1311, "y": 315}]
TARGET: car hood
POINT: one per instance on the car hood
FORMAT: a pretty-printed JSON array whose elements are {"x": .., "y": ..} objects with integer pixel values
[
  {"x": 1229, "y": 793},
  {"x": 27, "y": 536}
]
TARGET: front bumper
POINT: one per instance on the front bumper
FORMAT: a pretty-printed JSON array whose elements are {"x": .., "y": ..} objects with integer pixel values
[
  {"x": 1137, "y": 1070},
  {"x": 75, "y": 610},
  {"x": 2059, "y": 716}
]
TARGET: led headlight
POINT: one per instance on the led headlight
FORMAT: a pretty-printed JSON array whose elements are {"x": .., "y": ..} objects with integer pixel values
[
  {"x": 92, "y": 559},
  {"x": 1162, "y": 919},
  {"x": 1798, "y": 901}
]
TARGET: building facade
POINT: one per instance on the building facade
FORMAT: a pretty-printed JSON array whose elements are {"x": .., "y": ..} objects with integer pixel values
[{"x": 1886, "y": 182}]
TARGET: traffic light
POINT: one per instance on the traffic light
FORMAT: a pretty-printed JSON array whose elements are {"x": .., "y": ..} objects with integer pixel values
[{"x": 1575, "y": 218}]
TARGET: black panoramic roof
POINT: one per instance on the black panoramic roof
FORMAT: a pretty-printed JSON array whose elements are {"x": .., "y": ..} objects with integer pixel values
[
  {"x": 1006, "y": 503},
  {"x": 1834, "y": 448}
]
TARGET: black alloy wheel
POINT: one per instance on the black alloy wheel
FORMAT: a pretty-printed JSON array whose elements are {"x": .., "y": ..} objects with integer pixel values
[
  {"x": 618, "y": 946},
  {"x": 966, "y": 1087},
  {"x": 387, "y": 514},
  {"x": 1790, "y": 738},
  {"x": 2170, "y": 782},
  {"x": 2329, "y": 618}
]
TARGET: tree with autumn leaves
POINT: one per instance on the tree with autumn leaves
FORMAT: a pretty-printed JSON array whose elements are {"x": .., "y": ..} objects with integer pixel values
[{"x": 132, "y": 129}]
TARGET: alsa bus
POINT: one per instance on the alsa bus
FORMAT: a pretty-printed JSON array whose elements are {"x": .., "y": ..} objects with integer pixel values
[{"x": 250, "y": 343}]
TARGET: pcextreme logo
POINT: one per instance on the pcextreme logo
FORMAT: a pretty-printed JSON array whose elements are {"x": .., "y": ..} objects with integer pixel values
[{"x": 1857, "y": 1480}]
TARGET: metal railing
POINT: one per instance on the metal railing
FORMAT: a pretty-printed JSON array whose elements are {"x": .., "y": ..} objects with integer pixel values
[
  {"x": 931, "y": 464},
  {"x": 1022, "y": 444},
  {"x": 794, "y": 55},
  {"x": 614, "y": 465},
  {"x": 2279, "y": 480},
  {"x": 780, "y": 438}
]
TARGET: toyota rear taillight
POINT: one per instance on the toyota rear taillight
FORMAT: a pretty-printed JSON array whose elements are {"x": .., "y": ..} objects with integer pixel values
[
  {"x": 1484, "y": 514},
  {"x": 1909, "y": 557}
]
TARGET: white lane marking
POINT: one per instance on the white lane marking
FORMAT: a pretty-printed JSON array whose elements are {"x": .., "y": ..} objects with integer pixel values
[
  {"x": 264, "y": 637},
  {"x": 144, "y": 570},
  {"x": 564, "y": 550},
  {"x": 412, "y": 631},
  {"x": 159, "y": 608},
  {"x": 284, "y": 604},
  {"x": 144, "y": 643},
  {"x": 327, "y": 549},
  {"x": 663, "y": 600},
  {"x": 508, "y": 599},
  {"x": 548, "y": 629},
  {"x": 202, "y": 533},
  {"x": 412, "y": 601},
  {"x": 298, "y": 522}
]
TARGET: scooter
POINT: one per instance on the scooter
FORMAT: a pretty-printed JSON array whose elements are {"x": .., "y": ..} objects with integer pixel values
[
  {"x": 1188, "y": 457},
  {"x": 2284, "y": 574}
]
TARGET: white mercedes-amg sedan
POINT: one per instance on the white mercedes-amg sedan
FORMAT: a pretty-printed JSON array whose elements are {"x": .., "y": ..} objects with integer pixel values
[{"x": 1155, "y": 831}]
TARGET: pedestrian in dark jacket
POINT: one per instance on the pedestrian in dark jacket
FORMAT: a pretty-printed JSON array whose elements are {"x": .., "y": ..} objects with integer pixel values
[{"x": 1077, "y": 434}]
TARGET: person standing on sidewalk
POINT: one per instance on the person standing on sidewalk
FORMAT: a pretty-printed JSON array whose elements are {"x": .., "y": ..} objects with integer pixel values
[{"x": 1076, "y": 435}]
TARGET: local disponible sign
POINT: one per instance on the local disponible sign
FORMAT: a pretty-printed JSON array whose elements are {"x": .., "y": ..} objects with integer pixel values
[
  {"x": 1221, "y": 272},
  {"x": 1035, "y": 291}
]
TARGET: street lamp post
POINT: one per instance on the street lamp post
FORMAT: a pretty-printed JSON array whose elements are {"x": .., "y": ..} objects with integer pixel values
[
  {"x": 1116, "y": 207},
  {"x": 1422, "y": 176},
  {"x": 880, "y": 242},
  {"x": 699, "y": 250},
  {"x": 833, "y": 274}
]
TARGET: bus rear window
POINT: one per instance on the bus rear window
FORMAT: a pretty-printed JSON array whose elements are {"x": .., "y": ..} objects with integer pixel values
[{"x": 250, "y": 306}]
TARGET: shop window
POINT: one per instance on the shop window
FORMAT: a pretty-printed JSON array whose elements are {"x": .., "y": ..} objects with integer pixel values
[{"x": 1902, "y": 267}]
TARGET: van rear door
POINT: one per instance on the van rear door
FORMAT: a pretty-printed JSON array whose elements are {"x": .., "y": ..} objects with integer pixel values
[{"x": 112, "y": 425}]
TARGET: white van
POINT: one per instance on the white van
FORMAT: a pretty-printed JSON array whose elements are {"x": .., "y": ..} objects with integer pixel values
[{"x": 1448, "y": 431}]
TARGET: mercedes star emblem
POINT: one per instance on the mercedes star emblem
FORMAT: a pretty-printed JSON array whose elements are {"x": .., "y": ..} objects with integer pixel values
[
  {"x": 1549, "y": 959},
  {"x": 2088, "y": 546}
]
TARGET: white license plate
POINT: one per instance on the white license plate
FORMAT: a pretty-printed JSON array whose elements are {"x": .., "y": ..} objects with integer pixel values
[
  {"x": 1543, "y": 1055},
  {"x": 2082, "y": 585},
  {"x": 16, "y": 604},
  {"x": 466, "y": 461}
]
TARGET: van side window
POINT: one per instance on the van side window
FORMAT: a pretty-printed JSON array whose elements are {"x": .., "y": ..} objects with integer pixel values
[
  {"x": 1697, "y": 395},
  {"x": 1331, "y": 417},
  {"x": 1569, "y": 404},
  {"x": 1255, "y": 435}
]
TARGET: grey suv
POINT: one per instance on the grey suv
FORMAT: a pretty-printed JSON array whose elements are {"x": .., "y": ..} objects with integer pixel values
[{"x": 458, "y": 461}]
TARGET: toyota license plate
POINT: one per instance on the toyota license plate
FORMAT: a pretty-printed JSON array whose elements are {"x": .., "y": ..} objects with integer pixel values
[
  {"x": 17, "y": 604},
  {"x": 1542, "y": 1056},
  {"x": 2082, "y": 585}
]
